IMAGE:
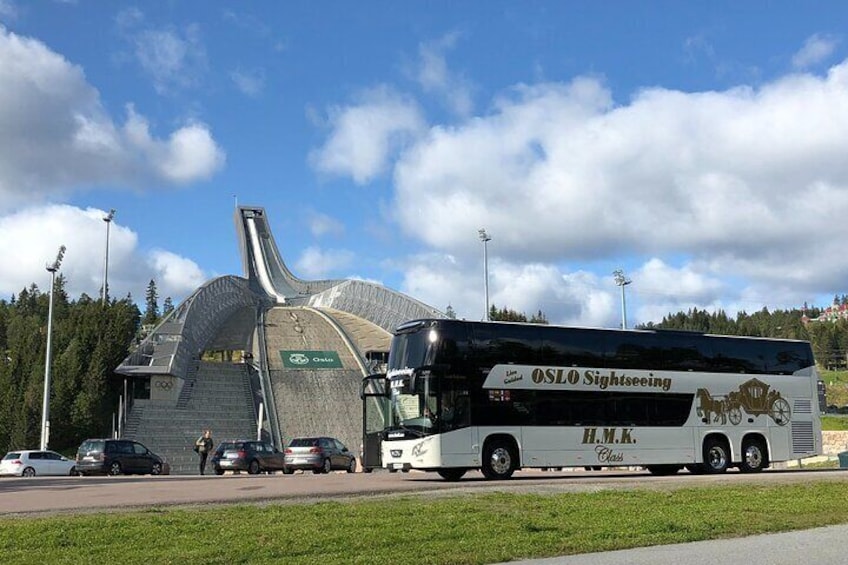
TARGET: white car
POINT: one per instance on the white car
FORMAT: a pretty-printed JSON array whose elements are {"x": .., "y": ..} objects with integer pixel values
[{"x": 30, "y": 462}]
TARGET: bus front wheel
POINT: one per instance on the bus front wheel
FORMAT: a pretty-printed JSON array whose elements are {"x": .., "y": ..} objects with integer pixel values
[{"x": 499, "y": 460}]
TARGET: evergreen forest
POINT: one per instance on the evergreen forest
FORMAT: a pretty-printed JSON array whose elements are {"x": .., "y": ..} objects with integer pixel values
[{"x": 89, "y": 339}]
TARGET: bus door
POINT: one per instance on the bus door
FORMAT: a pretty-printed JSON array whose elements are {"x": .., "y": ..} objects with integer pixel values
[{"x": 374, "y": 414}]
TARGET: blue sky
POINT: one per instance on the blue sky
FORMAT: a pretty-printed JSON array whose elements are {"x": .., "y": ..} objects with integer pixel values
[{"x": 700, "y": 147}]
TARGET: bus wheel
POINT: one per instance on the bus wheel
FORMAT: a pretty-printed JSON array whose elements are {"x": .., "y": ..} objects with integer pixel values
[
  {"x": 663, "y": 470},
  {"x": 451, "y": 475},
  {"x": 499, "y": 460},
  {"x": 753, "y": 456},
  {"x": 716, "y": 456}
]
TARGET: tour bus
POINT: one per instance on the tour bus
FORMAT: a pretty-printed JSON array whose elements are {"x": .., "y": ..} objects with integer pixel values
[{"x": 500, "y": 396}]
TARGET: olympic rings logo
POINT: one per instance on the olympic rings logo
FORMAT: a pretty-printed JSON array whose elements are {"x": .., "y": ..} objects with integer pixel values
[{"x": 164, "y": 385}]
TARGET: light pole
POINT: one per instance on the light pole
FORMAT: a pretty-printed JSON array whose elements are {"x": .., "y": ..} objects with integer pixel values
[
  {"x": 622, "y": 281},
  {"x": 45, "y": 408},
  {"x": 485, "y": 238},
  {"x": 108, "y": 219}
]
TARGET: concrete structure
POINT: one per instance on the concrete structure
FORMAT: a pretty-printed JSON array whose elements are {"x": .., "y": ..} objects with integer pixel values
[{"x": 341, "y": 328}]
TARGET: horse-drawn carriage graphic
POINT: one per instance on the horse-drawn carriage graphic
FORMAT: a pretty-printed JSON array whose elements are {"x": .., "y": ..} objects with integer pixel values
[{"x": 754, "y": 397}]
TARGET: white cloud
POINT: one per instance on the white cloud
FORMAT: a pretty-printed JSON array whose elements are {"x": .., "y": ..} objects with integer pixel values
[
  {"x": 250, "y": 83},
  {"x": 577, "y": 298},
  {"x": 738, "y": 184},
  {"x": 435, "y": 77},
  {"x": 817, "y": 48},
  {"x": 30, "y": 239},
  {"x": 58, "y": 138},
  {"x": 8, "y": 11},
  {"x": 175, "y": 60},
  {"x": 175, "y": 274},
  {"x": 316, "y": 263},
  {"x": 364, "y": 135},
  {"x": 322, "y": 224}
]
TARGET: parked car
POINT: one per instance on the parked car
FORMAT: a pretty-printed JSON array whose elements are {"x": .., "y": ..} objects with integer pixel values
[
  {"x": 247, "y": 455},
  {"x": 320, "y": 454},
  {"x": 30, "y": 462},
  {"x": 117, "y": 457}
]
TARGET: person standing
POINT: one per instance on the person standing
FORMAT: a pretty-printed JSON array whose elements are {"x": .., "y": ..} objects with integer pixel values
[{"x": 203, "y": 447}]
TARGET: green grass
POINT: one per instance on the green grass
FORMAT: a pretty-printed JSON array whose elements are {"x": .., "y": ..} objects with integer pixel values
[
  {"x": 833, "y": 423},
  {"x": 837, "y": 386},
  {"x": 480, "y": 528}
]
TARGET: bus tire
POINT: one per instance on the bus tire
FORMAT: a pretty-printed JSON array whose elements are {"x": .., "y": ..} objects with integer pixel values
[
  {"x": 754, "y": 455},
  {"x": 499, "y": 460},
  {"x": 451, "y": 475},
  {"x": 716, "y": 456}
]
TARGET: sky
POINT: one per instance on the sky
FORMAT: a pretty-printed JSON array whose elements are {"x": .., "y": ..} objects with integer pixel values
[{"x": 699, "y": 147}]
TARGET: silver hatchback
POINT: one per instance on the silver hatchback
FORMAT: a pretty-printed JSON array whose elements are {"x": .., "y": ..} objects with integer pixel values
[{"x": 318, "y": 454}]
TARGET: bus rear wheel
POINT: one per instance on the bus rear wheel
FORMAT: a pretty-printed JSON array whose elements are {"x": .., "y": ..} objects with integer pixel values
[
  {"x": 499, "y": 460},
  {"x": 754, "y": 456},
  {"x": 451, "y": 475},
  {"x": 716, "y": 456}
]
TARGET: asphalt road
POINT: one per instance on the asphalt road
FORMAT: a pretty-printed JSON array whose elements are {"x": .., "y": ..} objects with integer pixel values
[{"x": 46, "y": 495}]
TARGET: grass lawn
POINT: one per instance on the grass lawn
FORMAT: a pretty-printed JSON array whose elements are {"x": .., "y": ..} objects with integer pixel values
[
  {"x": 482, "y": 528},
  {"x": 837, "y": 387}
]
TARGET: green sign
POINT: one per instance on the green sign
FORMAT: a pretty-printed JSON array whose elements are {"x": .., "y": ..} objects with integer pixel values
[{"x": 311, "y": 359}]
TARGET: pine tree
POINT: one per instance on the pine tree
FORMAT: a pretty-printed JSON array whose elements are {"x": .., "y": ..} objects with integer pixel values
[
  {"x": 151, "y": 312},
  {"x": 167, "y": 306}
]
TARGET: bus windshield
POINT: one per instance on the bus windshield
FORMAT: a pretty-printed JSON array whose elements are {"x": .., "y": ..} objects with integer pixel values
[{"x": 412, "y": 403}]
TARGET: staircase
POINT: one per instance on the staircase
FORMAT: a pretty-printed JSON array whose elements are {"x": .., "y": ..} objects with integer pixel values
[{"x": 220, "y": 400}]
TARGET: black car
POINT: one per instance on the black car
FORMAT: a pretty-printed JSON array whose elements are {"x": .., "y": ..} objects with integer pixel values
[
  {"x": 117, "y": 457},
  {"x": 247, "y": 455}
]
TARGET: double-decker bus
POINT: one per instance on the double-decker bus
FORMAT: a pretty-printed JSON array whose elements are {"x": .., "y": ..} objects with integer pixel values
[{"x": 497, "y": 397}]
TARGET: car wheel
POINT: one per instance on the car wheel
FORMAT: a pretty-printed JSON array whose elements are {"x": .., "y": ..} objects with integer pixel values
[
  {"x": 287, "y": 471},
  {"x": 156, "y": 469},
  {"x": 253, "y": 468},
  {"x": 73, "y": 472},
  {"x": 219, "y": 471},
  {"x": 28, "y": 472},
  {"x": 351, "y": 468},
  {"x": 115, "y": 468},
  {"x": 328, "y": 466}
]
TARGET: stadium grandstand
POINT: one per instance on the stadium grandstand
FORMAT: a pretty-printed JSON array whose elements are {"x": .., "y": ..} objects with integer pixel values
[{"x": 292, "y": 354}]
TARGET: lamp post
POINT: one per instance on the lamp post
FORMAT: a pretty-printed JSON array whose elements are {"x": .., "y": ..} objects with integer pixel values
[
  {"x": 622, "y": 281},
  {"x": 108, "y": 219},
  {"x": 45, "y": 408},
  {"x": 485, "y": 238}
]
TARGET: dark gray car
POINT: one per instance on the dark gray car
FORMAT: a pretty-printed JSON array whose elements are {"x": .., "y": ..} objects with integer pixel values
[
  {"x": 247, "y": 455},
  {"x": 117, "y": 457},
  {"x": 318, "y": 454}
]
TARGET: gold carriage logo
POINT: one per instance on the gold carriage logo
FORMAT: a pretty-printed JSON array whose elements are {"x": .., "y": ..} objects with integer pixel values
[{"x": 754, "y": 397}]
